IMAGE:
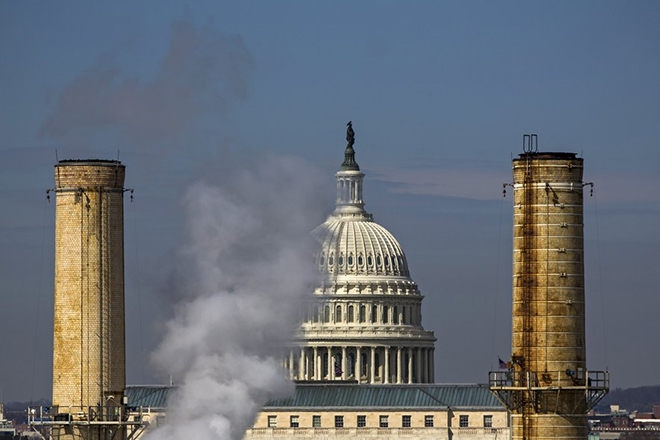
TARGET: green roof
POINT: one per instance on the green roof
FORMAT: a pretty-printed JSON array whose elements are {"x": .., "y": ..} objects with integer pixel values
[
  {"x": 333, "y": 395},
  {"x": 388, "y": 396},
  {"x": 153, "y": 396}
]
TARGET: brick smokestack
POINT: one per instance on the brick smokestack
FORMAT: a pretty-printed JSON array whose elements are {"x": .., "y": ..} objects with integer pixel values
[{"x": 89, "y": 335}]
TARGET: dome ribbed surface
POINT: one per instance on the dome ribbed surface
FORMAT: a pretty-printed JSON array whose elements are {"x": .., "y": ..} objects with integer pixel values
[{"x": 359, "y": 247}]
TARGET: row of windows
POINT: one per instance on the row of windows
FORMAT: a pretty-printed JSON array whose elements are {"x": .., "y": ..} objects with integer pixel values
[
  {"x": 383, "y": 421},
  {"x": 350, "y": 260},
  {"x": 406, "y": 315}
]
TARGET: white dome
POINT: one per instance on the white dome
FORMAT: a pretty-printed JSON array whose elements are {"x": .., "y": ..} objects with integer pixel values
[
  {"x": 351, "y": 246},
  {"x": 364, "y": 322}
]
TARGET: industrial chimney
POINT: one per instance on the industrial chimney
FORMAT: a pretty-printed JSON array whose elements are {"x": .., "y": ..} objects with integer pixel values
[
  {"x": 547, "y": 386},
  {"x": 89, "y": 340}
]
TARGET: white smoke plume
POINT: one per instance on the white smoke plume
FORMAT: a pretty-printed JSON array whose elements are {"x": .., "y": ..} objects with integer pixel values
[{"x": 246, "y": 270}]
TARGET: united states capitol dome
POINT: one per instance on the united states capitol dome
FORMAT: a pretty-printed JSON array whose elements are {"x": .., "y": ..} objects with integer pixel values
[{"x": 364, "y": 321}]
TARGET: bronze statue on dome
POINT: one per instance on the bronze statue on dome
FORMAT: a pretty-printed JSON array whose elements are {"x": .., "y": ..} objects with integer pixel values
[{"x": 350, "y": 134}]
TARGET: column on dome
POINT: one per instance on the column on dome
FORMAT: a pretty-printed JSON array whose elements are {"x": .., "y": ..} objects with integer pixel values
[
  {"x": 410, "y": 365},
  {"x": 331, "y": 365},
  {"x": 372, "y": 375},
  {"x": 358, "y": 363},
  {"x": 419, "y": 364},
  {"x": 291, "y": 364},
  {"x": 344, "y": 363},
  {"x": 386, "y": 370},
  {"x": 398, "y": 365},
  {"x": 301, "y": 365},
  {"x": 315, "y": 372}
]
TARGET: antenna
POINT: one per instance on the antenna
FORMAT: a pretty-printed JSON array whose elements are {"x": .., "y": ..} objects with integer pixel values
[
  {"x": 117, "y": 154},
  {"x": 57, "y": 159}
]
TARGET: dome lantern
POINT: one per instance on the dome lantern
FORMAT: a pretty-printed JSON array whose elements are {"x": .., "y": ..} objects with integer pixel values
[{"x": 349, "y": 182}]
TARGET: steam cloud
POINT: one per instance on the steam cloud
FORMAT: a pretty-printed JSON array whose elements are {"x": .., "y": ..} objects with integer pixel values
[
  {"x": 200, "y": 76},
  {"x": 247, "y": 268}
]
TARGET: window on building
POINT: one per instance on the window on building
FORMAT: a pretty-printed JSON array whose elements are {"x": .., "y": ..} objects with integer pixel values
[
  {"x": 395, "y": 315},
  {"x": 338, "y": 314},
  {"x": 350, "y": 260},
  {"x": 316, "y": 421},
  {"x": 374, "y": 314},
  {"x": 428, "y": 421},
  {"x": 464, "y": 421},
  {"x": 488, "y": 421},
  {"x": 383, "y": 421},
  {"x": 326, "y": 314},
  {"x": 406, "y": 421},
  {"x": 361, "y": 421},
  {"x": 351, "y": 314},
  {"x": 295, "y": 422},
  {"x": 385, "y": 314},
  {"x": 339, "y": 421},
  {"x": 363, "y": 314},
  {"x": 272, "y": 421},
  {"x": 406, "y": 316}
]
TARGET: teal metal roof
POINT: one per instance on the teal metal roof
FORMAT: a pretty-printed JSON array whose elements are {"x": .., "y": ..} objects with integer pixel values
[
  {"x": 388, "y": 396},
  {"x": 154, "y": 396},
  {"x": 333, "y": 395}
]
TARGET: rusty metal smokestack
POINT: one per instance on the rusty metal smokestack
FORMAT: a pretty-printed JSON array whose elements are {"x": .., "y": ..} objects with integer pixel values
[{"x": 547, "y": 386}]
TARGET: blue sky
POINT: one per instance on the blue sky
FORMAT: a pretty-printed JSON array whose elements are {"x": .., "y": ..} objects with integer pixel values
[{"x": 440, "y": 94}]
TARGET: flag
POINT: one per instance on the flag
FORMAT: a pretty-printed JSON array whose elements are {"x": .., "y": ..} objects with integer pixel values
[
  {"x": 338, "y": 370},
  {"x": 503, "y": 365}
]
